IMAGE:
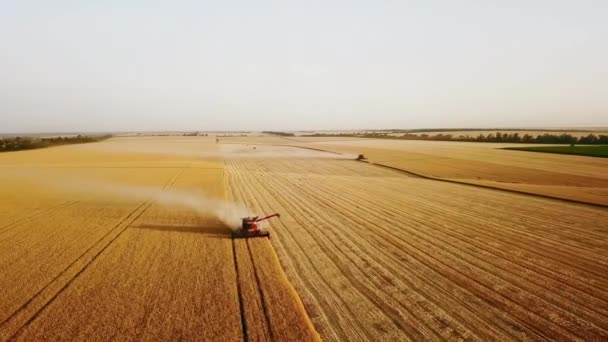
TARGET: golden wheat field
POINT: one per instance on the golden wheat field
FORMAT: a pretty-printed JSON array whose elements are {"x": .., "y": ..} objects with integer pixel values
[
  {"x": 89, "y": 251},
  {"x": 130, "y": 239}
]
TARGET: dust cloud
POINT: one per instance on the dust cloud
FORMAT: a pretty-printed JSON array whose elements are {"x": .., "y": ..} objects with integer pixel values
[
  {"x": 221, "y": 151},
  {"x": 229, "y": 213}
]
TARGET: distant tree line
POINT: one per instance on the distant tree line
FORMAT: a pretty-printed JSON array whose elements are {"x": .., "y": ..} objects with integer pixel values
[
  {"x": 195, "y": 134},
  {"x": 427, "y": 130},
  {"x": 526, "y": 138},
  {"x": 497, "y": 137},
  {"x": 282, "y": 134},
  {"x": 28, "y": 143}
]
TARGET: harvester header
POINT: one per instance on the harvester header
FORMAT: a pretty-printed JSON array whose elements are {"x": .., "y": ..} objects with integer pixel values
[{"x": 250, "y": 228}]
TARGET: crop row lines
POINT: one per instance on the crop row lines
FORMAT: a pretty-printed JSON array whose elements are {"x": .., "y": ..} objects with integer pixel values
[
  {"x": 454, "y": 242},
  {"x": 31, "y": 309}
]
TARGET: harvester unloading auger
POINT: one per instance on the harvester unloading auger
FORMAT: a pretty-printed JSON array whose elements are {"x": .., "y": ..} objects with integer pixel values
[{"x": 250, "y": 228}]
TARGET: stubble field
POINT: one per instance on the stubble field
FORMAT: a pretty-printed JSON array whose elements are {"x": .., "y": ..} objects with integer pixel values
[{"x": 377, "y": 255}]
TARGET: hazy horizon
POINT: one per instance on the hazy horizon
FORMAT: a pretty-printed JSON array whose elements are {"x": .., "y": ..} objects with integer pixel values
[
  {"x": 599, "y": 129},
  {"x": 123, "y": 66}
]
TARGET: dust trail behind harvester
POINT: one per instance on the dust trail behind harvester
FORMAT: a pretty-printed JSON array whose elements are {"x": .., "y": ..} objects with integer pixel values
[{"x": 227, "y": 212}]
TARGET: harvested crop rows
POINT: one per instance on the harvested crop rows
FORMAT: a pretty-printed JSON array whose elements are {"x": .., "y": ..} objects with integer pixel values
[{"x": 378, "y": 255}]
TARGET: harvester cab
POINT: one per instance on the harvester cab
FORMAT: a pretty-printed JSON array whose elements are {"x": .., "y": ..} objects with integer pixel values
[{"x": 250, "y": 227}]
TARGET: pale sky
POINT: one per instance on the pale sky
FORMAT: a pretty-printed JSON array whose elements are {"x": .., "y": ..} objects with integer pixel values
[{"x": 286, "y": 65}]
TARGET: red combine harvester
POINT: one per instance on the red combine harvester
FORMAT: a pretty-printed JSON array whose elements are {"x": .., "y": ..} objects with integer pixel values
[{"x": 249, "y": 227}]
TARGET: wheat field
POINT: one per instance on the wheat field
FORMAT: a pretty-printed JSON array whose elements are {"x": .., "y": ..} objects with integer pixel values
[
  {"x": 130, "y": 238},
  {"x": 88, "y": 253}
]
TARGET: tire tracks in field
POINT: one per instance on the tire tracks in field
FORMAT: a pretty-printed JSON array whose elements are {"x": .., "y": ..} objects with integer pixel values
[
  {"x": 236, "y": 267},
  {"x": 260, "y": 290},
  {"x": 249, "y": 328},
  {"x": 14, "y": 324},
  {"x": 258, "y": 285},
  {"x": 240, "y": 294},
  {"x": 244, "y": 325},
  {"x": 18, "y": 222}
]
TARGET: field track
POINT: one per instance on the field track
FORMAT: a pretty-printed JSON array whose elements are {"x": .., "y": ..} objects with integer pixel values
[
  {"x": 493, "y": 187},
  {"x": 376, "y": 254}
]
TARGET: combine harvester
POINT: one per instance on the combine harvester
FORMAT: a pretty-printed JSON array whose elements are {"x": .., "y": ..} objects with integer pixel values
[{"x": 250, "y": 228}]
